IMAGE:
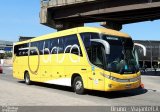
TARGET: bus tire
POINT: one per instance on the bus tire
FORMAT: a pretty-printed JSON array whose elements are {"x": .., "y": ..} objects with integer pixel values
[
  {"x": 27, "y": 78},
  {"x": 78, "y": 86}
]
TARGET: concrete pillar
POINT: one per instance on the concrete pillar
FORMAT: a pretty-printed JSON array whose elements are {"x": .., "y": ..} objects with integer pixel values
[{"x": 112, "y": 25}]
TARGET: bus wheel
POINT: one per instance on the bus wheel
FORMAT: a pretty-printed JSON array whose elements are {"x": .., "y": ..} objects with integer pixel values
[
  {"x": 27, "y": 78},
  {"x": 78, "y": 85}
]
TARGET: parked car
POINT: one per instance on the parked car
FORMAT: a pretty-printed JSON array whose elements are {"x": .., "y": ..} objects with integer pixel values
[{"x": 1, "y": 70}]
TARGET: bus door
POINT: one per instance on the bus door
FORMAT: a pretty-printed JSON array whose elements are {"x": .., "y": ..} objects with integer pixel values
[{"x": 97, "y": 59}]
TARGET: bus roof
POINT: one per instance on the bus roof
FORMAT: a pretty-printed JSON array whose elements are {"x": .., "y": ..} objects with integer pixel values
[
  {"x": 104, "y": 31},
  {"x": 78, "y": 30}
]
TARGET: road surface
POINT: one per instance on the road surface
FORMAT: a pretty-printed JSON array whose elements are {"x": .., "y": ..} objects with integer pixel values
[{"x": 16, "y": 93}]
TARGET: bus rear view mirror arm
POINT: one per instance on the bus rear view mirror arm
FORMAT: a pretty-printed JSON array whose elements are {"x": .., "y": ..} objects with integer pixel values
[
  {"x": 105, "y": 43},
  {"x": 142, "y": 46}
]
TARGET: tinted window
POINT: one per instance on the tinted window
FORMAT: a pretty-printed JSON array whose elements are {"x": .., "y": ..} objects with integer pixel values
[
  {"x": 70, "y": 41},
  {"x": 94, "y": 50},
  {"x": 40, "y": 47},
  {"x": 34, "y": 51},
  {"x": 87, "y": 36},
  {"x": 19, "y": 50},
  {"x": 54, "y": 46},
  {"x": 61, "y": 45},
  {"x": 46, "y": 46},
  {"x": 97, "y": 54}
]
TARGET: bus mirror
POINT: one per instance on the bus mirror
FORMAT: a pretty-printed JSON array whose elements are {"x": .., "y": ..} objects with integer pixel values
[
  {"x": 105, "y": 43},
  {"x": 142, "y": 46}
]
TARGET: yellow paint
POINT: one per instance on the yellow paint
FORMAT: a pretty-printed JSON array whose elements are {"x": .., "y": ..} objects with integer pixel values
[{"x": 92, "y": 79}]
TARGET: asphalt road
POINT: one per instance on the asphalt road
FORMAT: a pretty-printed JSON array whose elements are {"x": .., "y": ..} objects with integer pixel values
[{"x": 16, "y": 93}]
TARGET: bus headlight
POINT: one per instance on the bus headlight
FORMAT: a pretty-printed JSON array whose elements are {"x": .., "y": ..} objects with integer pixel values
[
  {"x": 104, "y": 75},
  {"x": 122, "y": 80}
]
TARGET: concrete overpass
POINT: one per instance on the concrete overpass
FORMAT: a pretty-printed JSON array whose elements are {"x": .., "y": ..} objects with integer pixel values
[{"x": 63, "y": 14}]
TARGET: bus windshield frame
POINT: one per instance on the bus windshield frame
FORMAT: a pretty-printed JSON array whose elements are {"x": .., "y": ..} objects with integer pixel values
[{"x": 122, "y": 58}]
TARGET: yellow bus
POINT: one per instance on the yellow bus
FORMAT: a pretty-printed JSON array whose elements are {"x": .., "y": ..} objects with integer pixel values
[{"x": 83, "y": 58}]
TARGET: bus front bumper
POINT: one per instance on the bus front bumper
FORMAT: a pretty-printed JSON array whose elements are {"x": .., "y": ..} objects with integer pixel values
[{"x": 118, "y": 86}]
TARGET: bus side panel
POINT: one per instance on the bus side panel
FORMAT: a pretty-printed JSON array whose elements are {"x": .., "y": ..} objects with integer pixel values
[{"x": 19, "y": 67}]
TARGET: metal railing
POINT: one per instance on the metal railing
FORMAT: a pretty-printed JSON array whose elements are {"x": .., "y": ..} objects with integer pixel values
[{"x": 55, "y": 3}]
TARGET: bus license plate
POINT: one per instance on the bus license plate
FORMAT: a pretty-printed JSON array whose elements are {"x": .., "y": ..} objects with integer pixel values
[{"x": 128, "y": 85}]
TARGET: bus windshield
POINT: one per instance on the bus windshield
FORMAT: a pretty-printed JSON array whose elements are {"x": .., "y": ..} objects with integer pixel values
[{"x": 122, "y": 58}]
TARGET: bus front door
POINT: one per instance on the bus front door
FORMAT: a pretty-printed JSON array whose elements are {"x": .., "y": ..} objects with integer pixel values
[
  {"x": 98, "y": 78},
  {"x": 97, "y": 59}
]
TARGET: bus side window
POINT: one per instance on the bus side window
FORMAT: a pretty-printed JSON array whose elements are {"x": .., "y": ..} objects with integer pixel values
[
  {"x": 16, "y": 50},
  {"x": 33, "y": 51},
  {"x": 54, "y": 46},
  {"x": 40, "y": 47},
  {"x": 61, "y": 45},
  {"x": 19, "y": 52},
  {"x": 46, "y": 46},
  {"x": 87, "y": 42},
  {"x": 70, "y": 41},
  {"x": 97, "y": 53},
  {"x": 94, "y": 50}
]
